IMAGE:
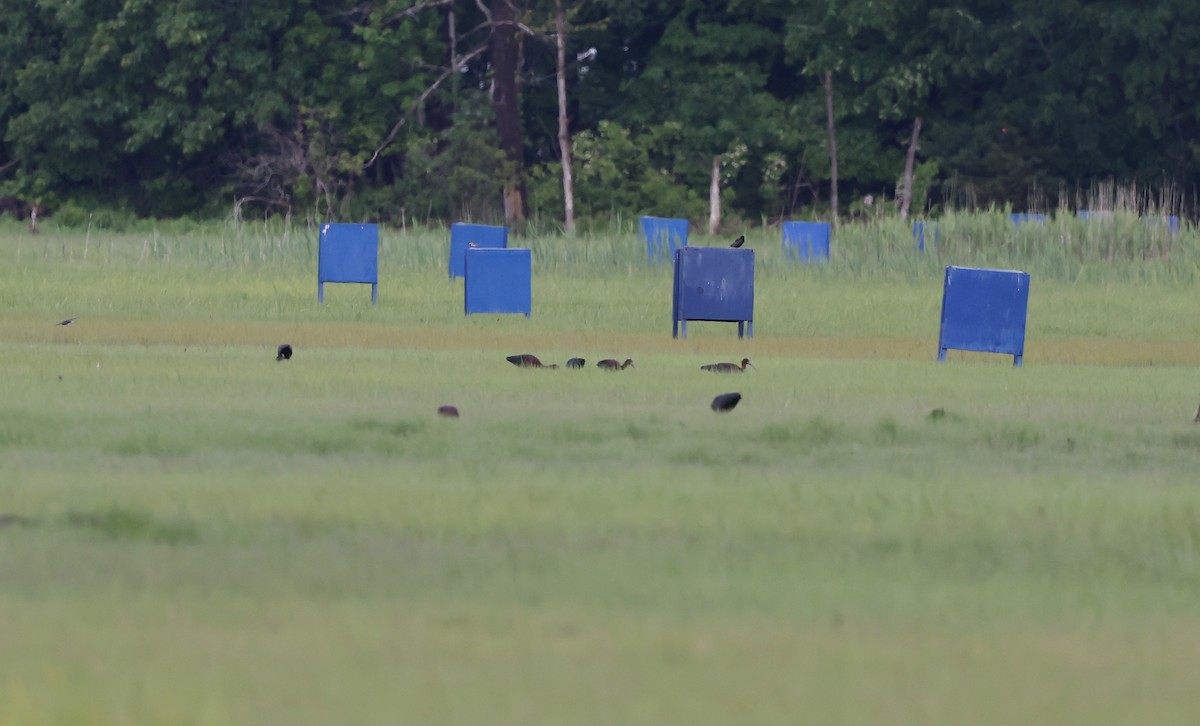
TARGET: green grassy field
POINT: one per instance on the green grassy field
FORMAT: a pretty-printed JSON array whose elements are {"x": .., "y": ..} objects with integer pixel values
[{"x": 201, "y": 535}]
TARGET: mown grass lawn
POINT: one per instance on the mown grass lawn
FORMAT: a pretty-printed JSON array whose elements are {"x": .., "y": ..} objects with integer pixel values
[{"x": 201, "y": 535}]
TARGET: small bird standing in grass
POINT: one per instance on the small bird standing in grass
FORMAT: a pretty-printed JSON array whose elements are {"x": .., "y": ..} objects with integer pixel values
[
  {"x": 610, "y": 364},
  {"x": 576, "y": 363},
  {"x": 728, "y": 367},
  {"x": 448, "y": 411},
  {"x": 284, "y": 352},
  {"x": 68, "y": 321}
]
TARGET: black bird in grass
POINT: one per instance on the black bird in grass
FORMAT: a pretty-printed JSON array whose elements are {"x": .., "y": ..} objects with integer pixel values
[
  {"x": 738, "y": 242},
  {"x": 728, "y": 367},
  {"x": 68, "y": 321},
  {"x": 527, "y": 360},
  {"x": 576, "y": 363},
  {"x": 284, "y": 352},
  {"x": 448, "y": 411},
  {"x": 9, "y": 520},
  {"x": 609, "y": 364},
  {"x": 726, "y": 402}
]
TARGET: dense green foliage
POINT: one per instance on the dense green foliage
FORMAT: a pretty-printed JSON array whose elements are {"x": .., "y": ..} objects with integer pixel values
[{"x": 382, "y": 110}]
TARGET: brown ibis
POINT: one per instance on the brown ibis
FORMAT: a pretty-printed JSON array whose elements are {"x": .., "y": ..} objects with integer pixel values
[
  {"x": 738, "y": 242},
  {"x": 576, "y": 363},
  {"x": 448, "y": 411},
  {"x": 284, "y": 352},
  {"x": 527, "y": 360},
  {"x": 728, "y": 367},
  {"x": 609, "y": 364},
  {"x": 726, "y": 402}
]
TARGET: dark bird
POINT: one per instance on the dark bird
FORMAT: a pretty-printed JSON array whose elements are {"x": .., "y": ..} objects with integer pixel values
[
  {"x": 576, "y": 363},
  {"x": 8, "y": 520},
  {"x": 284, "y": 352},
  {"x": 609, "y": 364},
  {"x": 68, "y": 321},
  {"x": 739, "y": 242},
  {"x": 448, "y": 411},
  {"x": 937, "y": 414},
  {"x": 1197, "y": 419},
  {"x": 728, "y": 367},
  {"x": 726, "y": 402},
  {"x": 526, "y": 360}
]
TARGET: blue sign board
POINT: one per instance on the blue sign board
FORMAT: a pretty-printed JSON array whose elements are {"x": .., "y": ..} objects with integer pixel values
[
  {"x": 348, "y": 253},
  {"x": 713, "y": 283},
  {"x": 806, "y": 241},
  {"x": 465, "y": 237},
  {"x": 663, "y": 236},
  {"x": 984, "y": 310},
  {"x": 497, "y": 281}
]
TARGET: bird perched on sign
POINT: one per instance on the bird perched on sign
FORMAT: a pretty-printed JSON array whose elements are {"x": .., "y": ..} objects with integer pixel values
[
  {"x": 726, "y": 402},
  {"x": 284, "y": 352},
  {"x": 728, "y": 367},
  {"x": 739, "y": 242}
]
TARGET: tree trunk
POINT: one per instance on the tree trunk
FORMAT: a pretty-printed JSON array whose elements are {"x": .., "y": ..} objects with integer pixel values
[
  {"x": 833, "y": 169},
  {"x": 909, "y": 161},
  {"x": 506, "y": 51},
  {"x": 452, "y": 36},
  {"x": 714, "y": 197},
  {"x": 564, "y": 126}
]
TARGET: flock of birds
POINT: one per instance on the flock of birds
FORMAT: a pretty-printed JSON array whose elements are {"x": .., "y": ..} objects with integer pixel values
[{"x": 720, "y": 404}]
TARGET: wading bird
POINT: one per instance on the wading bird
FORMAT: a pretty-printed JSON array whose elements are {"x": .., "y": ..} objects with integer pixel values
[
  {"x": 576, "y": 363},
  {"x": 728, "y": 367},
  {"x": 448, "y": 411},
  {"x": 284, "y": 352},
  {"x": 526, "y": 360},
  {"x": 739, "y": 242},
  {"x": 725, "y": 402},
  {"x": 609, "y": 364}
]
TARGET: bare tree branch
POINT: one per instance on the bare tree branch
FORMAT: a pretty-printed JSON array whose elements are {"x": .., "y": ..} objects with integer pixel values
[
  {"x": 412, "y": 12},
  {"x": 421, "y": 99},
  {"x": 483, "y": 9}
]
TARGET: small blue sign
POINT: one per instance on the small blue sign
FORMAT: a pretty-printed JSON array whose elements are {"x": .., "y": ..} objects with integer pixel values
[
  {"x": 1021, "y": 218},
  {"x": 465, "y": 237},
  {"x": 663, "y": 236},
  {"x": 919, "y": 234},
  {"x": 348, "y": 253},
  {"x": 985, "y": 311},
  {"x": 497, "y": 281},
  {"x": 806, "y": 241},
  {"x": 713, "y": 283}
]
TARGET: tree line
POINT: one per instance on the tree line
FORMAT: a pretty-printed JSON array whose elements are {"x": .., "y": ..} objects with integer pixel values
[{"x": 719, "y": 110}]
